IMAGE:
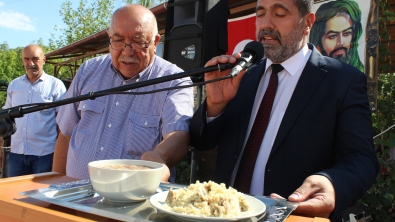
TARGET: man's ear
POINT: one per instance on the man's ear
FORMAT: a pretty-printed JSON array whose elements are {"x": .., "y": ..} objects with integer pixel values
[
  {"x": 309, "y": 19},
  {"x": 157, "y": 39}
]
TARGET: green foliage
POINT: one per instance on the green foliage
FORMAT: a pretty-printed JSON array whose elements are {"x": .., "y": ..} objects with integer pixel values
[
  {"x": 386, "y": 16},
  {"x": 183, "y": 170},
  {"x": 385, "y": 117},
  {"x": 146, "y": 3},
  {"x": 83, "y": 21},
  {"x": 10, "y": 66},
  {"x": 380, "y": 197}
]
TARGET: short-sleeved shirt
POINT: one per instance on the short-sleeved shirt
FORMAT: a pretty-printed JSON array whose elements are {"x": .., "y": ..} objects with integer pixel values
[
  {"x": 121, "y": 126},
  {"x": 36, "y": 132}
]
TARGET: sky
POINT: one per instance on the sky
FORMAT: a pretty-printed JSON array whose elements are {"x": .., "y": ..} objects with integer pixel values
[{"x": 25, "y": 21}]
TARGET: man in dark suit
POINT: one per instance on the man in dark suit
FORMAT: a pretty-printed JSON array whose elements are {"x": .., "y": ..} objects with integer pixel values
[{"x": 317, "y": 148}]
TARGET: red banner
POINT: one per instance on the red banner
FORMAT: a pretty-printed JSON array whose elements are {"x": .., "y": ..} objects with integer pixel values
[{"x": 240, "y": 31}]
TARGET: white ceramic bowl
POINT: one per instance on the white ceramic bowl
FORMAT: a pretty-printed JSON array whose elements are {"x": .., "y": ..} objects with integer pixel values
[{"x": 125, "y": 185}]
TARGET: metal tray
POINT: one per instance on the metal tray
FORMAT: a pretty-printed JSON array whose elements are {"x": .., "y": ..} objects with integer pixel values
[{"x": 80, "y": 195}]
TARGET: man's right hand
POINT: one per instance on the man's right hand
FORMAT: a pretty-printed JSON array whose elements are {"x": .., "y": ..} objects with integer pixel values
[{"x": 221, "y": 92}]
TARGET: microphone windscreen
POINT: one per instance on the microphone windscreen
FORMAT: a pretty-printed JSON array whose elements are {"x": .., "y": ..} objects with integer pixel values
[{"x": 255, "y": 49}]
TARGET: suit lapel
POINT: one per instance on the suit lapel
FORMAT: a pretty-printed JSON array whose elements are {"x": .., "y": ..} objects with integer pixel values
[
  {"x": 310, "y": 79},
  {"x": 250, "y": 87}
]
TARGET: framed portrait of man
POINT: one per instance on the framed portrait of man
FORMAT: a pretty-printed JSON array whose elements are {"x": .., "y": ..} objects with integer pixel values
[{"x": 343, "y": 30}]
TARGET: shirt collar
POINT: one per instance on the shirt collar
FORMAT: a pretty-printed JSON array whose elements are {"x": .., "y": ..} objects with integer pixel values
[
  {"x": 41, "y": 79},
  {"x": 295, "y": 62}
]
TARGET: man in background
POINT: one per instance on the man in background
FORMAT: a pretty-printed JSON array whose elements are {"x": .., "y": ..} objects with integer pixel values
[
  {"x": 33, "y": 143},
  {"x": 153, "y": 126},
  {"x": 337, "y": 30}
]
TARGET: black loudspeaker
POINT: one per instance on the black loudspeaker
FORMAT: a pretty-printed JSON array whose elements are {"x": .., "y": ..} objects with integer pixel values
[{"x": 196, "y": 31}]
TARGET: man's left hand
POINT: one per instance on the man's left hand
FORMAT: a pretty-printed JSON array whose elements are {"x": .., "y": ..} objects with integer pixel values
[
  {"x": 155, "y": 157},
  {"x": 316, "y": 197}
]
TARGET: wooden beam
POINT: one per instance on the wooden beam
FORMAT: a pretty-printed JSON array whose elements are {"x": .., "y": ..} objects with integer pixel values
[{"x": 243, "y": 8}]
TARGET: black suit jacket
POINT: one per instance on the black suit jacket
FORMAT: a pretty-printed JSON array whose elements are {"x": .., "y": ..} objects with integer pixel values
[{"x": 325, "y": 130}]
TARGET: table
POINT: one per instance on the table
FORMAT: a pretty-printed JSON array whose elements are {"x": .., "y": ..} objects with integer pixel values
[{"x": 14, "y": 207}]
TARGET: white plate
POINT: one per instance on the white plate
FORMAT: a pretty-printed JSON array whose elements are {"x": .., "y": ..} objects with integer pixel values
[{"x": 158, "y": 200}]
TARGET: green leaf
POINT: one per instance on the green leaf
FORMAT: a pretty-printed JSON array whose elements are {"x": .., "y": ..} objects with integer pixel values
[
  {"x": 389, "y": 143},
  {"x": 388, "y": 182},
  {"x": 389, "y": 197}
]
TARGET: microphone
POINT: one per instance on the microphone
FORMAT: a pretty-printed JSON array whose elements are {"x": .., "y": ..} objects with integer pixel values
[{"x": 252, "y": 53}]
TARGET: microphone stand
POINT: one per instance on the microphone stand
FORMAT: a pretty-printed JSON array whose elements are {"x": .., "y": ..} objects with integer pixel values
[{"x": 7, "y": 116}]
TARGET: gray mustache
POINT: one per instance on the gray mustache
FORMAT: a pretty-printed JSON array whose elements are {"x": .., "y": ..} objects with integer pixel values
[
  {"x": 129, "y": 59},
  {"x": 271, "y": 33}
]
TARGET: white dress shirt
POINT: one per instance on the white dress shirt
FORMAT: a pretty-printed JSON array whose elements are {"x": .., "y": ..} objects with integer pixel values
[
  {"x": 36, "y": 132},
  {"x": 287, "y": 80}
]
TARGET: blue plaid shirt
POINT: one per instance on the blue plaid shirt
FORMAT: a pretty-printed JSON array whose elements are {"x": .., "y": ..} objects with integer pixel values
[
  {"x": 36, "y": 132},
  {"x": 121, "y": 126}
]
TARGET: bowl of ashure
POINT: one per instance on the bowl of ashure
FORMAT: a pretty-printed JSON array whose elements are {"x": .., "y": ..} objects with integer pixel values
[
  {"x": 124, "y": 180},
  {"x": 208, "y": 201}
]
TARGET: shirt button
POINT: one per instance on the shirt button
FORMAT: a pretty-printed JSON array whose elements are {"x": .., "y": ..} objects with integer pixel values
[
  {"x": 109, "y": 125},
  {"x": 83, "y": 107},
  {"x": 101, "y": 148},
  {"x": 117, "y": 103},
  {"x": 146, "y": 123},
  {"x": 123, "y": 82}
]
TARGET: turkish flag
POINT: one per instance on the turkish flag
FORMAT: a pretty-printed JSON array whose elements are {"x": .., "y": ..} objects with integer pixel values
[{"x": 240, "y": 31}]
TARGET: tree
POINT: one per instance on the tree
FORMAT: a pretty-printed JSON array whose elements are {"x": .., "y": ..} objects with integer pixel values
[
  {"x": 81, "y": 22},
  {"x": 10, "y": 66},
  {"x": 146, "y": 3},
  {"x": 87, "y": 20}
]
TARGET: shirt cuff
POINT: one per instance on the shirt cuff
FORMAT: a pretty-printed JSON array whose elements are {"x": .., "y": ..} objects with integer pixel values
[{"x": 210, "y": 119}]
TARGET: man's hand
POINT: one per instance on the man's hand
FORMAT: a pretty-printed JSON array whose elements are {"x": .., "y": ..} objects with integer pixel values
[
  {"x": 317, "y": 197},
  {"x": 170, "y": 151},
  {"x": 221, "y": 92},
  {"x": 155, "y": 157}
]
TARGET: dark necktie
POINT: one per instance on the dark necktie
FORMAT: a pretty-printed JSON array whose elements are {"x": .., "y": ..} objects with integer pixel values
[{"x": 246, "y": 167}]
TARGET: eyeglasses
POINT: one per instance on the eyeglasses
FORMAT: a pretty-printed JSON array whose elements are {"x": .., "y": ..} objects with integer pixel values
[{"x": 135, "y": 46}]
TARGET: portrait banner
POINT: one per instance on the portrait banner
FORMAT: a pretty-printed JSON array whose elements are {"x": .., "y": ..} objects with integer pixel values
[{"x": 347, "y": 30}]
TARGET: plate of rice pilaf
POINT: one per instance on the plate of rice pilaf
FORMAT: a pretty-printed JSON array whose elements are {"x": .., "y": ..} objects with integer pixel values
[{"x": 208, "y": 201}]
